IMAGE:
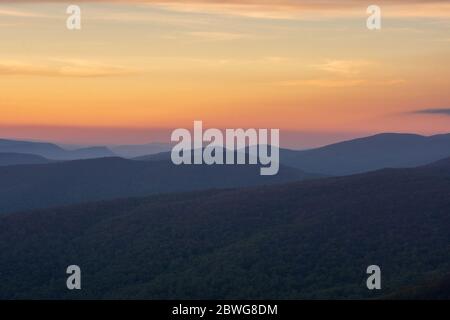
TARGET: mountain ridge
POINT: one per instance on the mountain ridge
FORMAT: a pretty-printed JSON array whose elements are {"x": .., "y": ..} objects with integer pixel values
[
  {"x": 52, "y": 151},
  {"x": 303, "y": 240},
  {"x": 70, "y": 182},
  {"x": 343, "y": 158},
  {"x": 8, "y": 159},
  {"x": 370, "y": 153}
]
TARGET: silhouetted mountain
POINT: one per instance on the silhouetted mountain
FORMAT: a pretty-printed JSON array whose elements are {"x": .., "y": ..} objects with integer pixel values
[
  {"x": 389, "y": 150},
  {"x": 311, "y": 239},
  {"x": 38, "y": 148},
  {"x": 8, "y": 159},
  {"x": 133, "y": 151},
  {"x": 52, "y": 151},
  {"x": 38, "y": 186},
  {"x": 87, "y": 153},
  {"x": 165, "y": 155}
]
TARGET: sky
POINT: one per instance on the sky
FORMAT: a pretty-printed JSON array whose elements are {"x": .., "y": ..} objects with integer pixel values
[{"x": 138, "y": 69}]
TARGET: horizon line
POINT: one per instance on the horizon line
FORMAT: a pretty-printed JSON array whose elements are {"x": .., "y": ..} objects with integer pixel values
[{"x": 284, "y": 146}]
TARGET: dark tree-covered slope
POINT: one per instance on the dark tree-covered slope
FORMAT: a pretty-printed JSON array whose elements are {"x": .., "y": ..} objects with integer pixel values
[
  {"x": 311, "y": 239},
  {"x": 10, "y": 159},
  {"x": 62, "y": 183}
]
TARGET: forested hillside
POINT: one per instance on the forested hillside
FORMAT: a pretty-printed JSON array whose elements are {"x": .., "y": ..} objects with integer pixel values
[{"x": 311, "y": 239}]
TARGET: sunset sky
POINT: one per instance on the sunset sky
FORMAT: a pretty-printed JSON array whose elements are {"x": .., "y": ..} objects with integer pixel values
[{"x": 138, "y": 69}]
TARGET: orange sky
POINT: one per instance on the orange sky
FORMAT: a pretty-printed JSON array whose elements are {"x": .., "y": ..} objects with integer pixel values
[{"x": 139, "y": 66}]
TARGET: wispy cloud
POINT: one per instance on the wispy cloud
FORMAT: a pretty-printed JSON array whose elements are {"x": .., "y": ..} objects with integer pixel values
[
  {"x": 308, "y": 9},
  {"x": 335, "y": 74},
  {"x": 19, "y": 13},
  {"x": 323, "y": 83},
  {"x": 438, "y": 111},
  {"x": 217, "y": 36},
  {"x": 62, "y": 68},
  {"x": 340, "y": 83},
  {"x": 343, "y": 67},
  {"x": 291, "y": 9}
]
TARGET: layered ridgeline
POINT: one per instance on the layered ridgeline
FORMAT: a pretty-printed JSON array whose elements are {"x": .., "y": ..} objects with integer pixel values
[
  {"x": 311, "y": 239},
  {"x": 55, "y": 152},
  {"x": 52, "y": 151},
  {"x": 9, "y": 159},
  {"x": 137, "y": 150},
  {"x": 388, "y": 150},
  {"x": 39, "y": 186}
]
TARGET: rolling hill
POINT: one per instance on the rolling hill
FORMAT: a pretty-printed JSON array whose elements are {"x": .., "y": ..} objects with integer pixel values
[
  {"x": 52, "y": 151},
  {"x": 138, "y": 150},
  {"x": 311, "y": 239},
  {"x": 39, "y": 186},
  {"x": 388, "y": 150},
  {"x": 9, "y": 159}
]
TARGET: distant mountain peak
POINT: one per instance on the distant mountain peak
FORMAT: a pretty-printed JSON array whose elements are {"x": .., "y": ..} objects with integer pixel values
[{"x": 52, "y": 151}]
